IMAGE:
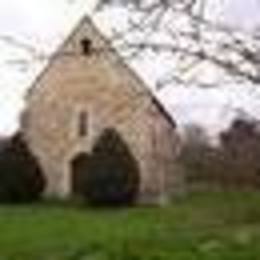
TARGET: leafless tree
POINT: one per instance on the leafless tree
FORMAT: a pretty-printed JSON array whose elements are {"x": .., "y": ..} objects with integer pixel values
[
  {"x": 192, "y": 39},
  {"x": 233, "y": 164},
  {"x": 195, "y": 40}
]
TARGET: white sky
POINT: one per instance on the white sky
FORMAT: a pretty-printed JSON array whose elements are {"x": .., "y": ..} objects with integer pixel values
[{"x": 45, "y": 23}]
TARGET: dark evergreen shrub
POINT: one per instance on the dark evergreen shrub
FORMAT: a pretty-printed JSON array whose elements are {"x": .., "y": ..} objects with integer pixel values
[
  {"x": 21, "y": 179},
  {"x": 113, "y": 173}
]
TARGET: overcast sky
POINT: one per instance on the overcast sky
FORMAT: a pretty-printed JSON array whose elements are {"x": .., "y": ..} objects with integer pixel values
[{"x": 44, "y": 24}]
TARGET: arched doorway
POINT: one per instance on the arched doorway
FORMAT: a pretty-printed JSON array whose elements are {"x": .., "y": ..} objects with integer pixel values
[
  {"x": 79, "y": 171},
  {"x": 108, "y": 176}
]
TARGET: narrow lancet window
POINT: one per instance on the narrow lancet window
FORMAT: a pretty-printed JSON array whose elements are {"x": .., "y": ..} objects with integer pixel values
[{"x": 83, "y": 124}]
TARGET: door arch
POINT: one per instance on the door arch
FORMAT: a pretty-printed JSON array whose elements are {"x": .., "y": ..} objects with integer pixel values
[
  {"x": 109, "y": 175},
  {"x": 79, "y": 171}
]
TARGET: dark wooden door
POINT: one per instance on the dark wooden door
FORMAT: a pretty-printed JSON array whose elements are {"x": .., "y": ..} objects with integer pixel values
[{"x": 79, "y": 171}]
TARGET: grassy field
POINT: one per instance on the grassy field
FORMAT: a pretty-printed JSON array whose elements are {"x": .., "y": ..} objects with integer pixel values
[{"x": 209, "y": 226}]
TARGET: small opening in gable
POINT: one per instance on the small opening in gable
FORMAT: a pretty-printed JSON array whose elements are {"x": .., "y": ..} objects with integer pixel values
[
  {"x": 83, "y": 124},
  {"x": 86, "y": 46}
]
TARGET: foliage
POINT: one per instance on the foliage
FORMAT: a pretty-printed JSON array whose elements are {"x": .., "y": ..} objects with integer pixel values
[
  {"x": 196, "y": 154},
  {"x": 112, "y": 176},
  {"x": 21, "y": 178},
  {"x": 234, "y": 163},
  {"x": 240, "y": 145}
]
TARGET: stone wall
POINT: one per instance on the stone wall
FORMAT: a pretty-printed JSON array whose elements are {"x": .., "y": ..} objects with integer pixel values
[{"x": 111, "y": 95}]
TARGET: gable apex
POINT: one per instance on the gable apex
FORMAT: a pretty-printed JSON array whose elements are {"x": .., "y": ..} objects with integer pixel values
[
  {"x": 98, "y": 45},
  {"x": 71, "y": 46}
]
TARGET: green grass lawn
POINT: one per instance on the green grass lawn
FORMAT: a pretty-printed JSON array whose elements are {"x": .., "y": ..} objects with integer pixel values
[{"x": 209, "y": 226}]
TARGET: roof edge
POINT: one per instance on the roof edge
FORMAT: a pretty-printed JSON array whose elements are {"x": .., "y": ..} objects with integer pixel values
[{"x": 117, "y": 54}]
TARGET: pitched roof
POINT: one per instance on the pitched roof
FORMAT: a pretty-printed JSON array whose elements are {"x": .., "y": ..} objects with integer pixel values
[{"x": 145, "y": 89}]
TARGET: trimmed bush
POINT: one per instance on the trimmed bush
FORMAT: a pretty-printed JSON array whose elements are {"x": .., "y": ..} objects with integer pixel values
[
  {"x": 113, "y": 173},
  {"x": 21, "y": 179}
]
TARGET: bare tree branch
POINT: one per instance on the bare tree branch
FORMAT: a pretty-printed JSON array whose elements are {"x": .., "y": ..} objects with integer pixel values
[{"x": 200, "y": 41}]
